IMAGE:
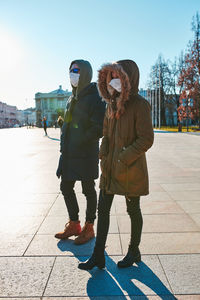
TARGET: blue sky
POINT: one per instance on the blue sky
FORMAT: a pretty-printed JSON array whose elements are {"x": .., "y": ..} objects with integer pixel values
[{"x": 39, "y": 39}]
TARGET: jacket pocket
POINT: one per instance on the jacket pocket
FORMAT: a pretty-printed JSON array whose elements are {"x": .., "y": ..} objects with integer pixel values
[
  {"x": 120, "y": 174},
  {"x": 136, "y": 174}
]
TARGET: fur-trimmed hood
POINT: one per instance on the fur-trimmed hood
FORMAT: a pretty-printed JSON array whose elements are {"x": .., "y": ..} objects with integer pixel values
[{"x": 128, "y": 72}]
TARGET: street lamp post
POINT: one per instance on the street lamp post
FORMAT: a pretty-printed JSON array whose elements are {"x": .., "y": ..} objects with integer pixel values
[
  {"x": 159, "y": 100},
  {"x": 152, "y": 101},
  {"x": 156, "y": 100},
  {"x": 187, "y": 94}
]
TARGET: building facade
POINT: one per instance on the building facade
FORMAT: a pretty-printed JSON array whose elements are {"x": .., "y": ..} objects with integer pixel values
[
  {"x": 26, "y": 117},
  {"x": 8, "y": 115},
  {"x": 50, "y": 104},
  {"x": 163, "y": 112}
]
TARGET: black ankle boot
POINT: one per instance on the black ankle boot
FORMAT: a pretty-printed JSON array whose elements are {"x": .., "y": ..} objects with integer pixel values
[
  {"x": 130, "y": 258},
  {"x": 96, "y": 260}
]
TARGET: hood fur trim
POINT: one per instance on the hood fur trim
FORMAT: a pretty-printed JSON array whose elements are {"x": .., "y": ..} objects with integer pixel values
[{"x": 104, "y": 77}]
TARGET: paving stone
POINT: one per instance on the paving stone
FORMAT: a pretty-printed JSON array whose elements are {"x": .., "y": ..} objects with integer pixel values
[
  {"x": 171, "y": 179},
  {"x": 164, "y": 297},
  {"x": 66, "y": 278},
  {"x": 189, "y": 163},
  {"x": 42, "y": 186},
  {"x": 181, "y": 187},
  {"x": 156, "y": 187},
  {"x": 53, "y": 224},
  {"x": 60, "y": 211},
  {"x": 168, "y": 223},
  {"x": 196, "y": 218},
  {"x": 120, "y": 208},
  {"x": 13, "y": 197},
  {"x": 113, "y": 228},
  {"x": 157, "y": 196},
  {"x": 183, "y": 272},
  {"x": 89, "y": 298},
  {"x": 188, "y": 297},
  {"x": 151, "y": 207},
  {"x": 160, "y": 207},
  {"x": 24, "y": 209},
  {"x": 156, "y": 171},
  {"x": 27, "y": 298},
  {"x": 190, "y": 206},
  {"x": 192, "y": 171},
  {"x": 166, "y": 243},
  {"x": 24, "y": 276},
  {"x": 160, "y": 223},
  {"x": 113, "y": 244},
  {"x": 146, "y": 277},
  {"x": 19, "y": 225},
  {"x": 185, "y": 195},
  {"x": 49, "y": 245},
  {"x": 14, "y": 245}
]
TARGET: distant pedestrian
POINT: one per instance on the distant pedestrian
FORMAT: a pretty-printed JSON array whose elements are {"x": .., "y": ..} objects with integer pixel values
[
  {"x": 82, "y": 128},
  {"x": 127, "y": 135},
  {"x": 60, "y": 121},
  {"x": 45, "y": 125}
]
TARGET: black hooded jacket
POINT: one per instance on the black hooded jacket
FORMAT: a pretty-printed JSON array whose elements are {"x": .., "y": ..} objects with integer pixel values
[{"x": 82, "y": 128}]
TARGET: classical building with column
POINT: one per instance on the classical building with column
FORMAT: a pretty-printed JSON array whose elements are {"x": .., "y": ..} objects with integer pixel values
[{"x": 50, "y": 104}]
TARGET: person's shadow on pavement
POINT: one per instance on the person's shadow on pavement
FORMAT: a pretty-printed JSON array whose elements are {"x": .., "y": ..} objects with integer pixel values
[
  {"x": 54, "y": 139},
  {"x": 113, "y": 281}
]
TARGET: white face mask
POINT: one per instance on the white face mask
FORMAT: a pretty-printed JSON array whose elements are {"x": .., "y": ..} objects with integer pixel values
[
  {"x": 74, "y": 78},
  {"x": 116, "y": 84}
]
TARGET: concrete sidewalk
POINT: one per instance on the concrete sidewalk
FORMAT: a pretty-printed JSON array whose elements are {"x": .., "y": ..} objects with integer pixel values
[{"x": 35, "y": 265}]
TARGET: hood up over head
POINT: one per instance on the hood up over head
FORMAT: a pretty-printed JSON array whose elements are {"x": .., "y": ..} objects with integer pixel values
[
  {"x": 128, "y": 73},
  {"x": 85, "y": 75}
]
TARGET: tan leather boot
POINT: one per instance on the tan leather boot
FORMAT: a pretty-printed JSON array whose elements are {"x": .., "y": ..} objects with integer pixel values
[
  {"x": 71, "y": 228},
  {"x": 86, "y": 234}
]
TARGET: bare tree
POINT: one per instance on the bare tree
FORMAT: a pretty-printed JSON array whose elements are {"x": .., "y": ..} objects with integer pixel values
[
  {"x": 159, "y": 82},
  {"x": 175, "y": 69},
  {"x": 189, "y": 78}
]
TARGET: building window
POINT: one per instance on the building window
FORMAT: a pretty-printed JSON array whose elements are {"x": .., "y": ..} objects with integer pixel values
[
  {"x": 51, "y": 104},
  {"x": 38, "y": 104},
  {"x": 45, "y": 106}
]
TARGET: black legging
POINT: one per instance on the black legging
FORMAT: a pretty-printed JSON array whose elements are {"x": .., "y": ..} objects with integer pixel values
[
  {"x": 133, "y": 209},
  {"x": 45, "y": 130},
  {"x": 88, "y": 189}
]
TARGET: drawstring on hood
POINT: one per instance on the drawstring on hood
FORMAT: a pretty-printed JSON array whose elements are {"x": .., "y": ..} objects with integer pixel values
[{"x": 128, "y": 73}]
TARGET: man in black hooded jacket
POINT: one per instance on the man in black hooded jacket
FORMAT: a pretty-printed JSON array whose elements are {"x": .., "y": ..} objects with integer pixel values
[{"x": 82, "y": 128}]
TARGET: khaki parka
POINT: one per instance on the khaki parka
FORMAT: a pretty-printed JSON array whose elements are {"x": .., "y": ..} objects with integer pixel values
[{"x": 127, "y": 135}]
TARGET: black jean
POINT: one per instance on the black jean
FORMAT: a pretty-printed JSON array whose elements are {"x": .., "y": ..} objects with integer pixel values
[
  {"x": 88, "y": 189},
  {"x": 133, "y": 209}
]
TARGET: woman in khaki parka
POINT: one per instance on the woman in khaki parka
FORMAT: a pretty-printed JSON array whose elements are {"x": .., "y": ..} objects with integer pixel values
[{"x": 127, "y": 135}]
